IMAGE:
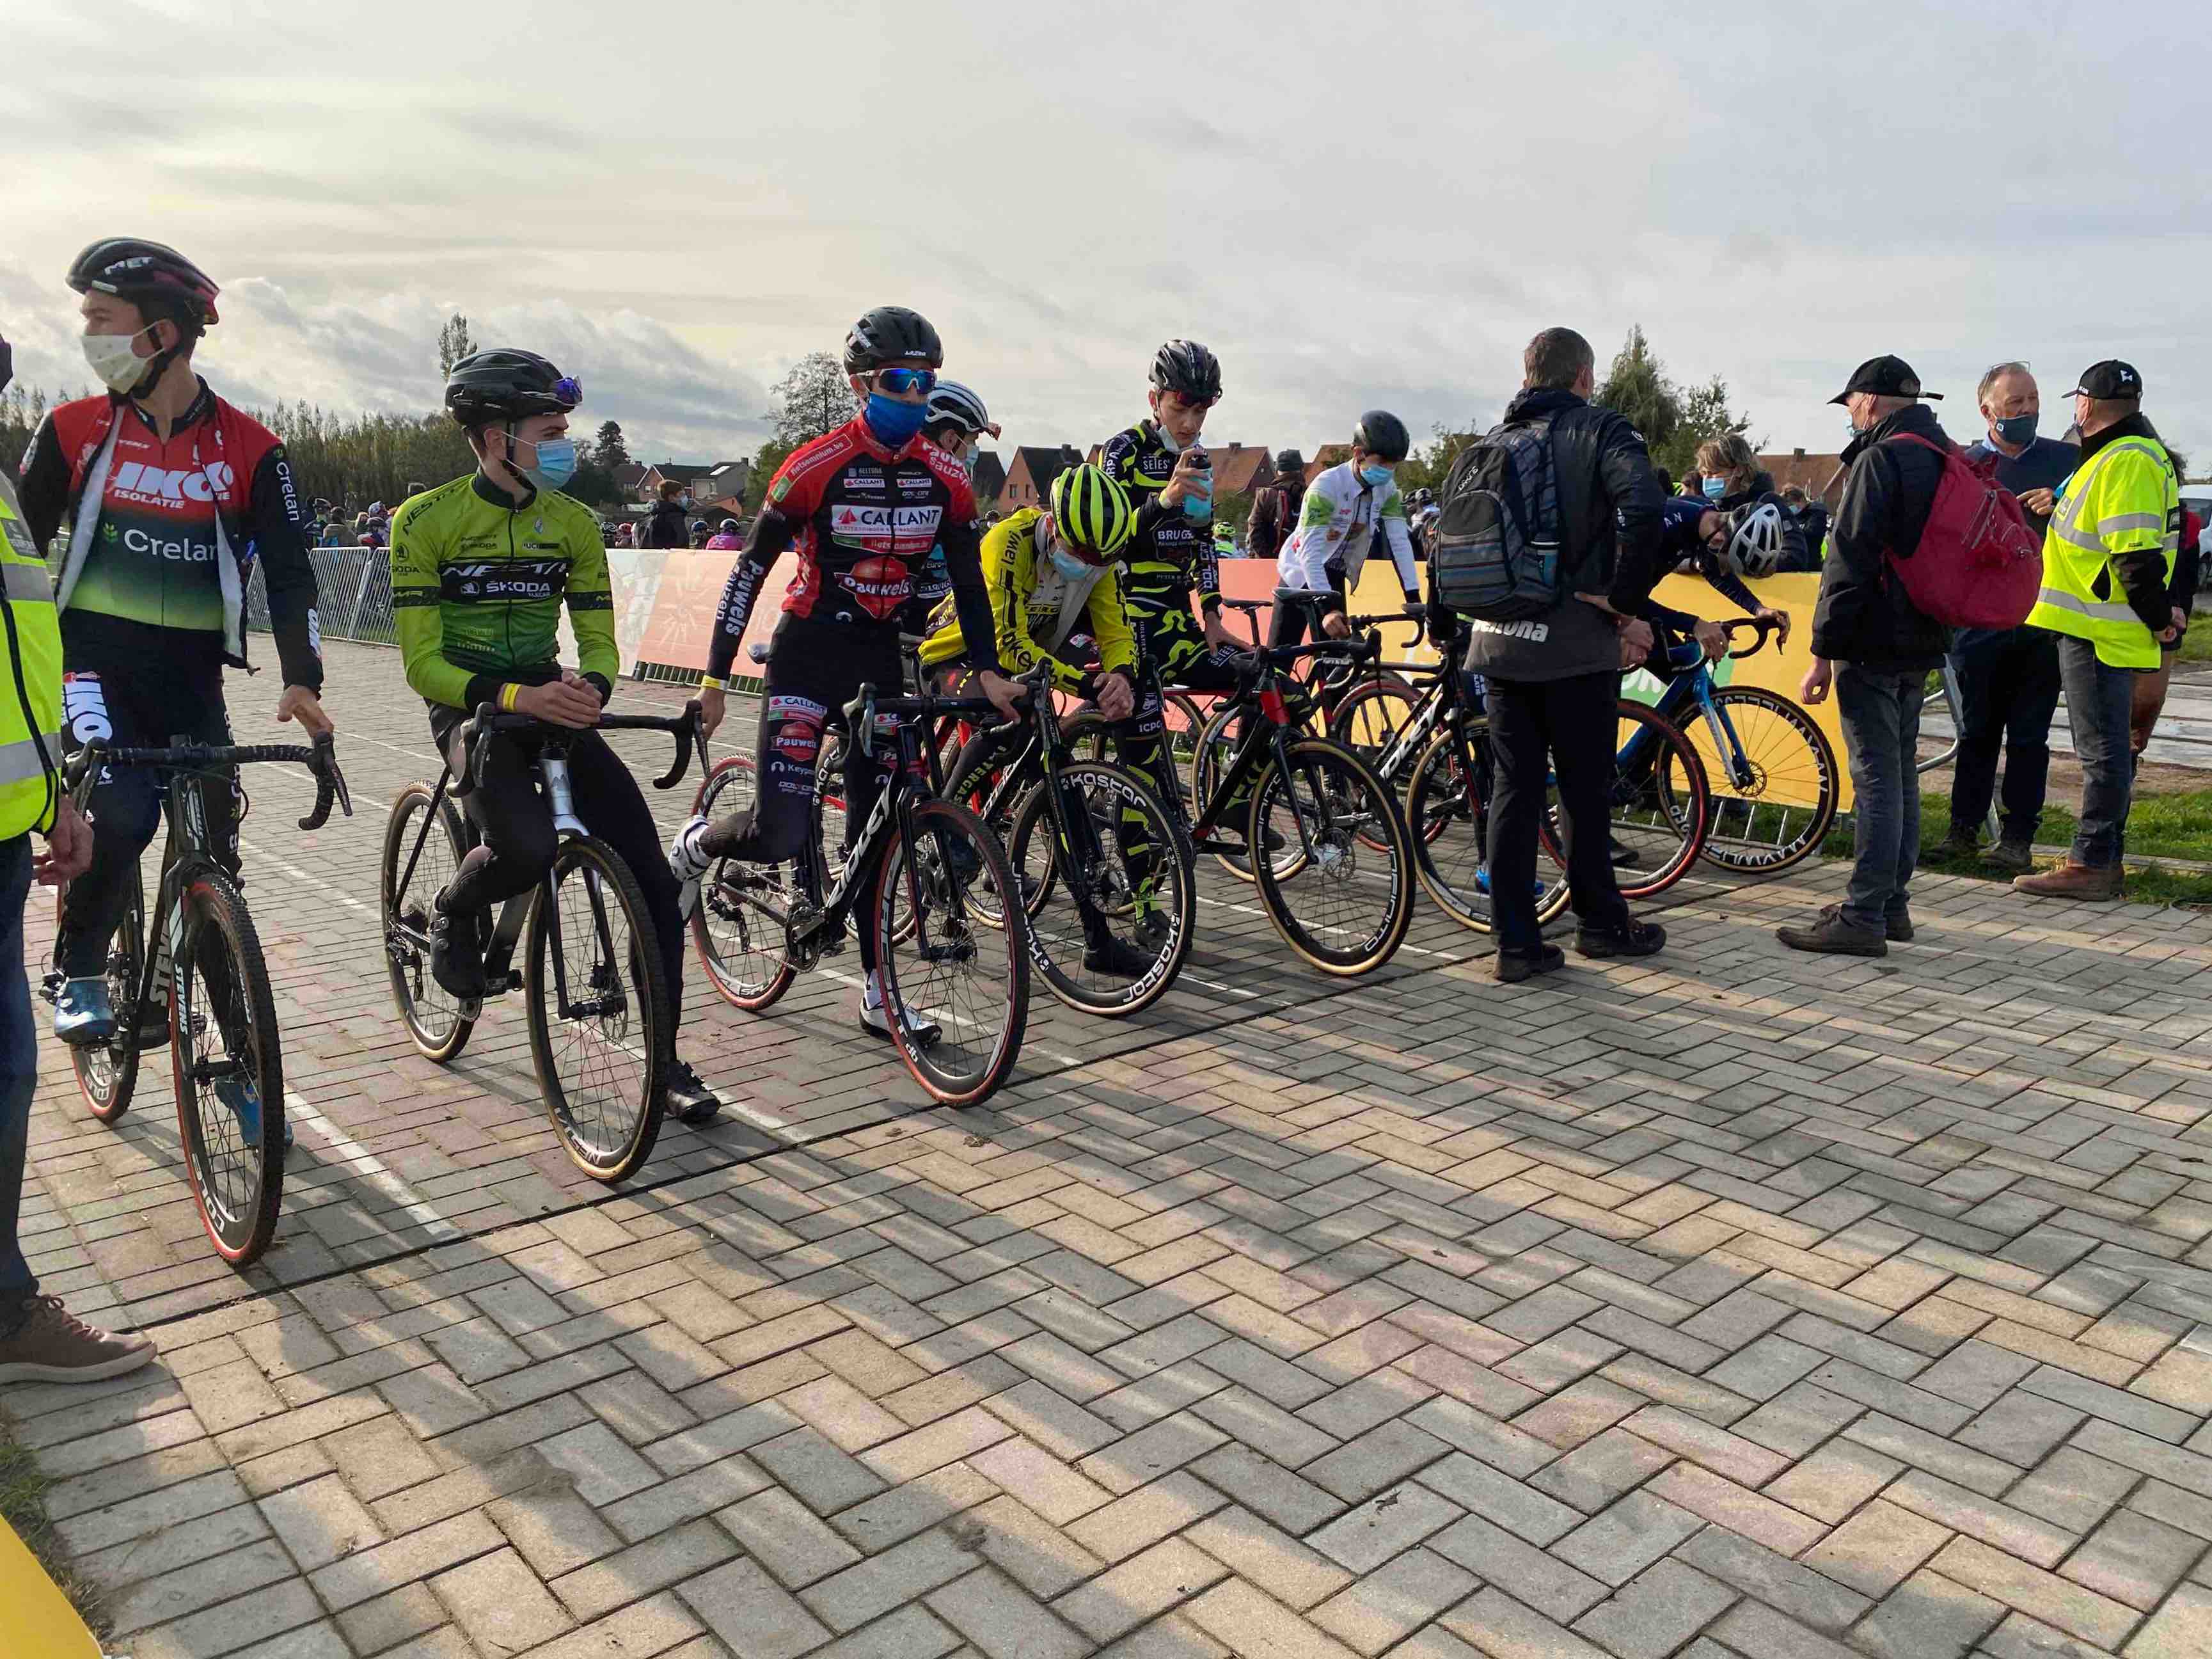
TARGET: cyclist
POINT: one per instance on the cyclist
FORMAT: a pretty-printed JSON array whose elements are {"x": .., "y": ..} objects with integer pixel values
[
  {"x": 1347, "y": 508},
  {"x": 1752, "y": 537},
  {"x": 1050, "y": 573},
  {"x": 725, "y": 539},
  {"x": 480, "y": 568},
  {"x": 864, "y": 504},
  {"x": 169, "y": 496},
  {"x": 956, "y": 419}
]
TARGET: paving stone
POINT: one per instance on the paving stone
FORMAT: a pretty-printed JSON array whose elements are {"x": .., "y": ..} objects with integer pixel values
[
  {"x": 1877, "y": 1549},
  {"x": 2079, "y": 1611},
  {"x": 1138, "y": 1590},
  {"x": 1388, "y": 1603},
  {"x": 1631, "y": 1534},
  {"x": 741, "y": 1604},
  {"x": 501, "y": 1603},
  {"x": 2134, "y": 1558},
  {"x": 607, "y": 1583},
  {"x": 320, "y": 1523},
  {"x": 2178, "y": 1630},
  {"x": 1498, "y": 1625},
  {"x": 1284, "y": 1568},
  {"x": 1655, "y": 1613},
  {"x": 1037, "y": 1555},
  {"x": 779, "y": 1532},
  {"x": 1004, "y": 1621},
  {"x": 1260, "y": 1629},
  {"x": 1362, "y": 1539},
  {"x": 1547, "y": 1582},
  {"x": 905, "y": 1572}
]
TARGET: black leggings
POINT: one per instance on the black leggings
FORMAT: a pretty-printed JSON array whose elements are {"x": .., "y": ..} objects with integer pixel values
[
  {"x": 1573, "y": 721},
  {"x": 517, "y": 840}
]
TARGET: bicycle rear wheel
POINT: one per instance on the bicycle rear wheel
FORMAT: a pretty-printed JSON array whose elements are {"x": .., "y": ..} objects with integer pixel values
[
  {"x": 108, "y": 1073},
  {"x": 1216, "y": 749},
  {"x": 1448, "y": 811},
  {"x": 227, "y": 1064},
  {"x": 1774, "y": 809},
  {"x": 1658, "y": 812},
  {"x": 1336, "y": 900},
  {"x": 959, "y": 965},
  {"x": 438, "y": 1021},
  {"x": 1372, "y": 714},
  {"x": 739, "y": 926},
  {"x": 602, "y": 1059}
]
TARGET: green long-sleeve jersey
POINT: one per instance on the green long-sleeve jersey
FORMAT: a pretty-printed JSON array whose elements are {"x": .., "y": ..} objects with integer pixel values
[{"x": 478, "y": 584}]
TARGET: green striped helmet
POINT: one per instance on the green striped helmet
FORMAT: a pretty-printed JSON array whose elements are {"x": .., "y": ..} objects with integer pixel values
[{"x": 1091, "y": 512}]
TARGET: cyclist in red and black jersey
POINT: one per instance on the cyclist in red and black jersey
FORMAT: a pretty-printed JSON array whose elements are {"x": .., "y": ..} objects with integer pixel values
[{"x": 863, "y": 505}]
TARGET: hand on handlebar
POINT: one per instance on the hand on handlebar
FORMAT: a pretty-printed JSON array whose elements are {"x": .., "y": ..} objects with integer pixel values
[
  {"x": 1779, "y": 618},
  {"x": 1336, "y": 625},
  {"x": 1005, "y": 695},
  {"x": 714, "y": 704},
  {"x": 299, "y": 703},
  {"x": 568, "y": 703},
  {"x": 1712, "y": 639},
  {"x": 1117, "y": 697}
]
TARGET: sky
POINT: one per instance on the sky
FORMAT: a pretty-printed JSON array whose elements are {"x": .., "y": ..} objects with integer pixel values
[{"x": 1355, "y": 207}]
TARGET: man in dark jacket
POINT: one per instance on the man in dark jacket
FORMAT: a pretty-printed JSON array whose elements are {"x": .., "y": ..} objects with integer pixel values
[
  {"x": 1275, "y": 509},
  {"x": 1875, "y": 647},
  {"x": 665, "y": 526},
  {"x": 1555, "y": 678}
]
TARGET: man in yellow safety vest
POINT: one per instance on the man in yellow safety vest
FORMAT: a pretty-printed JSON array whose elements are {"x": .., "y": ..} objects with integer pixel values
[
  {"x": 39, "y": 1342},
  {"x": 2106, "y": 558}
]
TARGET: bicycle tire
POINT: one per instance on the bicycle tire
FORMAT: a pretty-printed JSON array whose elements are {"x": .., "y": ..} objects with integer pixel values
[
  {"x": 1183, "y": 720},
  {"x": 638, "y": 1025},
  {"x": 1335, "y": 824},
  {"x": 1679, "y": 800},
  {"x": 442, "y": 1035},
  {"x": 1447, "y": 814},
  {"x": 1806, "y": 765},
  {"x": 1372, "y": 714},
  {"x": 108, "y": 1073},
  {"x": 1215, "y": 748},
  {"x": 925, "y": 875},
  {"x": 238, "y": 1207},
  {"x": 1051, "y": 943},
  {"x": 728, "y": 925}
]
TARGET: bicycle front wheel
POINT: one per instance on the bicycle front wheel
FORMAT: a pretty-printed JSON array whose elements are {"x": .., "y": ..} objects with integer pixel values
[
  {"x": 963, "y": 965},
  {"x": 1448, "y": 811},
  {"x": 599, "y": 1025},
  {"x": 1216, "y": 750},
  {"x": 438, "y": 1021},
  {"x": 1773, "y": 776},
  {"x": 108, "y": 1073},
  {"x": 1108, "y": 937},
  {"x": 225, "y": 1055},
  {"x": 737, "y": 928},
  {"x": 1371, "y": 715},
  {"x": 1658, "y": 811},
  {"x": 1336, "y": 899}
]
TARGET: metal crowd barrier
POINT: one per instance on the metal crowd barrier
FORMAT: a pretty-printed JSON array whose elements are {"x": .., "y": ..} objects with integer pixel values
[{"x": 354, "y": 589}]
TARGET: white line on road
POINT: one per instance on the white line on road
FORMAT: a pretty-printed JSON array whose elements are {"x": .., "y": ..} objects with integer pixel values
[{"x": 365, "y": 1167}]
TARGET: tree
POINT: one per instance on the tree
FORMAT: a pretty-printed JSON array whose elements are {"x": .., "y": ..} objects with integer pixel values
[
  {"x": 609, "y": 451},
  {"x": 593, "y": 485},
  {"x": 1427, "y": 467},
  {"x": 1706, "y": 414},
  {"x": 812, "y": 398},
  {"x": 771, "y": 457},
  {"x": 454, "y": 343},
  {"x": 1638, "y": 388}
]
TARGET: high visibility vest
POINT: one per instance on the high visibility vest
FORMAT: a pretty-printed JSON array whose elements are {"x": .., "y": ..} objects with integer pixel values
[
  {"x": 2106, "y": 508},
  {"x": 30, "y": 677}
]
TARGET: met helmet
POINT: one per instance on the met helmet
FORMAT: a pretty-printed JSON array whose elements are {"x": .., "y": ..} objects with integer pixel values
[
  {"x": 147, "y": 273},
  {"x": 1187, "y": 368},
  {"x": 956, "y": 403},
  {"x": 1755, "y": 539},
  {"x": 729, "y": 527},
  {"x": 891, "y": 334},
  {"x": 1091, "y": 513},
  {"x": 504, "y": 384},
  {"x": 1382, "y": 435}
]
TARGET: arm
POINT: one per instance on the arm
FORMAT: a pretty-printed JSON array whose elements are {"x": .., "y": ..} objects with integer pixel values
[
  {"x": 591, "y": 611},
  {"x": 1119, "y": 458},
  {"x": 971, "y": 598},
  {"x": 1625, "y": 479},
  {"x": 2135, "y": 542},
  {"x": 1008, "y": 555},
  {"x": 417, "y": 614},
  {"x": 772, "y": 534},
  {"x": 1717, "y": 570},
  {"x": 1856, "y": 540},
  {"x": 44, "y": 490},
  {"x": 1109, "y": 626},
  {"x": 281, "y": 544}
]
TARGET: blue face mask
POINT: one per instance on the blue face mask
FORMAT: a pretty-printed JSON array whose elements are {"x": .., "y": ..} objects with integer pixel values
[
  {"x": 2019, "y": 430},
  {"x": 557, "y": 464},
  {"x": 1715, "y": 488},
  {"x": 1071, "y": 567},
  {"x": 1375, "y": 476},
  {"x": 893, "y": 422}
]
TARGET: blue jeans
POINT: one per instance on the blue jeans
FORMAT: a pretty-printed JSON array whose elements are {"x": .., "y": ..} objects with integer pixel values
[
  {"x": 1881, "y": 713},
  {"x": 19, "y": 1072},
  {"x": 2097, "y": 698},
  {"x": 2008, "y": 687}
]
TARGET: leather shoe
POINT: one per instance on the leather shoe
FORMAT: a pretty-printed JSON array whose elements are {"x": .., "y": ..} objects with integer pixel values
[
  {"x": 2074, "y": 881},
  {"x": 1512, "y": 966}
]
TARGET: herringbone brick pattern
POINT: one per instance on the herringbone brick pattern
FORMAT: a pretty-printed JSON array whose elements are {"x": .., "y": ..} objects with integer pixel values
[{"x": 1731, "y": 1303}]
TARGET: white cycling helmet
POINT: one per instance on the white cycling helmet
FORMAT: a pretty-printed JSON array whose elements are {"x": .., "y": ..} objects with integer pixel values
[
  {"x": 954, "y": 402},
  {"x": 1755, "y": 541}
]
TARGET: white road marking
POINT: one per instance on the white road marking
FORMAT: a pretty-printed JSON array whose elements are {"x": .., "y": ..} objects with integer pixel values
[{"x": 364, "y": 1166}]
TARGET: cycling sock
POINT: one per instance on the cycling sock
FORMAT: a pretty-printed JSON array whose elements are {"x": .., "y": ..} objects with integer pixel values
[{"x": 871, "y": 992}]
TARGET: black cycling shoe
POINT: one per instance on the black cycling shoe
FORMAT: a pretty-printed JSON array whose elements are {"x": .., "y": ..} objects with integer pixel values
[
  {"x": 1514, "y": 966},
  {"x": 1107, "y": 955},
  {"x": 1624, "y": 857},
  {"x": 456, "y": 956},
  {"x": 1638, "y": 938},
  {"x": 690, "y": 1100}
]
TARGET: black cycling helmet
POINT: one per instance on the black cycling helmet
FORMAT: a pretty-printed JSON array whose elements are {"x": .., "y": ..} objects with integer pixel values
[
  {"x": 890, "y": 335},
  {"x": 1290, "y": 460},
  {"x": 1188, "y": 368},
  {"x": 1382, "y": 435},
  {"x": 151, "y": 276},
  {"x": 505, "y": 385}
]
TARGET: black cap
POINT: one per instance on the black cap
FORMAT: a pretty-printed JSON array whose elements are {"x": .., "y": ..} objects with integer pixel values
[
  {"x": 2111, "y": 379},
  {"x": 1886, "y": 377}
]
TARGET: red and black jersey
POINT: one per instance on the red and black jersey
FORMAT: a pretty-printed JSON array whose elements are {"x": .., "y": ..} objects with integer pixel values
[{"x": 865, "y": 520}]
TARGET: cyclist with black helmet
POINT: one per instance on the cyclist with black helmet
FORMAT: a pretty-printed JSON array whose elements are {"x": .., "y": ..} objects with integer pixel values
[
  {"x": 481, "y": 569},
  {"x": 1348, "y": 508},
  {"x": 169, "y": 496},
  {"x": 956, "y": 419},
  {"x": 865, "y": 504}
]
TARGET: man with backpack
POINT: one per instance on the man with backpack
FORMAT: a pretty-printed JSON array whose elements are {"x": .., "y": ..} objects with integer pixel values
[
  {"x": 1873, "y": 645},
  {"x": 1547, "y": 539},
  {"x": 1274, "y": 515}
]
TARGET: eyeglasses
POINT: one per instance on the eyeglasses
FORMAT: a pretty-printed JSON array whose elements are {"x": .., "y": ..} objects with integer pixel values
[
  {"x": 901, "y": 381},
  {"x": 570, "y": 390}
]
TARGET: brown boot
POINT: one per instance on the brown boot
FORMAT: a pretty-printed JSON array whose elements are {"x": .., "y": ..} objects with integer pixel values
[
  {"x": 2074, "y": 881},
  {"x": 50, "y": 1346}
]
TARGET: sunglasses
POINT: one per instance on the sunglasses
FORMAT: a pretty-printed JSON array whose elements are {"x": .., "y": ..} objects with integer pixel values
[
  {"x": 901, "y": 381},
  {"x": 569, "y": 390}
]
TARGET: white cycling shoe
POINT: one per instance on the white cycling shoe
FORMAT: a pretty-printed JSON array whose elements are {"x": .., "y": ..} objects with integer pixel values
[
  {"x": 874, "y": 1020},
  {"x": 689, "y": 862}
]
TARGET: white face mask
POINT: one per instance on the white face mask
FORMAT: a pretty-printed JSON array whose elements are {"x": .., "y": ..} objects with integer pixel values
[{"x": 111, "y": 357}]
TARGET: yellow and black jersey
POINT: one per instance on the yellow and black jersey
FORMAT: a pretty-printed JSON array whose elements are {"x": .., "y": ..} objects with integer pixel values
[
  {"x": 1170, "y": 555},
  {"x": 1034, "y": 608}
]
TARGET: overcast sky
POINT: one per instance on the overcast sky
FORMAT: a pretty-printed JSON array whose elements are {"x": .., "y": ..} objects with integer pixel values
[{"x": 1353, "y": 206}]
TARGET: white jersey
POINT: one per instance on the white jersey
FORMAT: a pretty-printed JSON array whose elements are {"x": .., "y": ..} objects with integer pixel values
[{"x": 1336, "y": 531}]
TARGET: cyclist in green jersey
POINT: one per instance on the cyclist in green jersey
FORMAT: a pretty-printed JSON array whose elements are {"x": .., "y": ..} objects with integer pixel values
[{"x": 480, "y": 568}]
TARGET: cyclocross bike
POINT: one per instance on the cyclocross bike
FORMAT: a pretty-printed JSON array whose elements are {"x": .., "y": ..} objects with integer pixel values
[
  {"x": 203, "y": 989},
  {"x": 601, "y": 1012},
  {"x": 934, "y": 882}
]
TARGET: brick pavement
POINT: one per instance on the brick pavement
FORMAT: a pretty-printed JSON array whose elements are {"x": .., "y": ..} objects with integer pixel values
[{"x": 1737, "y": 1302}]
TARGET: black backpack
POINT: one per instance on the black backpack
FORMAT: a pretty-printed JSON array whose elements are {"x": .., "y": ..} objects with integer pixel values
[{"x": 1496, "y": 555}]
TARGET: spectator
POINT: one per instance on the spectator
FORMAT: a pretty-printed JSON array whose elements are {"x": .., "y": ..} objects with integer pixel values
[
  {"x": 1874, "y": 647},
  {"x": 1554, "y": 679},
  {"x": 698, "y": 533},
  {"x": 338, "y": 534},
  {"x": 2108, "y": 558},
  {"x": 1730, "y": 476},
  {"x": 725, "y": 539},
  {"x": 664, "y": 527},
  {"x": 1812, "y": 518},
  {"x": 1275, "y": 508},
  {"x": 2007, "y": 676},
  {"x": 1692, "y": 485},
  {"x": 39, "y": 1341},
  {"x": 2151, "y": 683}
]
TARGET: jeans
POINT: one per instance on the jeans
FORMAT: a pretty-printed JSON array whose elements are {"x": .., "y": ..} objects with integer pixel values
[
  {"x": 1576, "y": 720},
  {"x": 1879, "y": 709},
  {"x": 2009, "y": 689},
  {"x": 2098, "y": 696},
  {"x": 19, "y": 1071}
]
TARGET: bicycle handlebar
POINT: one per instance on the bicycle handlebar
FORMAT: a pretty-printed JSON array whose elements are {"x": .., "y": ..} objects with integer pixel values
[
  {"x": 1762, "y": 625},
  {"x": 320, "y": 758},
  {"x": 683, "y": 727}
]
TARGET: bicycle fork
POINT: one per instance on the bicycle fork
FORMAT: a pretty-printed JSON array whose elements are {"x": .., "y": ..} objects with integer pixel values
[{"x": 607, "y": 998}]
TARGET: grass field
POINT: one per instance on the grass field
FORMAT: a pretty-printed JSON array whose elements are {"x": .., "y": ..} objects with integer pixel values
[{"x": 2197, "y": 643}]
